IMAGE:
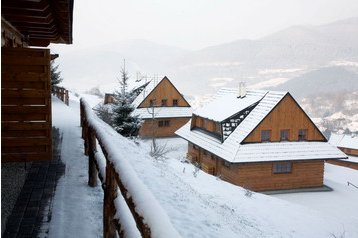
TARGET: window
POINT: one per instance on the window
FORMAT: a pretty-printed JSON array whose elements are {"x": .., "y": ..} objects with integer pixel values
[
  {"x": 204, "y": 152},
  {"x": 152, "y": 102},
  {"x": 282, "y": 168},
  {"x": 175, "y": 102},
  {"x": 284, "y": 135},
  {"x": 302, "y": 134},
  {"x": 164, "y": 102},
  {"x": 164, "y": 123},
  {"x": 265, "y": 135},
  {"x": 212, "y": 157}
]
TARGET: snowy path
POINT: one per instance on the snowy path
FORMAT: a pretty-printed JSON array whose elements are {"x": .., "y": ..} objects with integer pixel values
[{"x": 77, "y": 209}]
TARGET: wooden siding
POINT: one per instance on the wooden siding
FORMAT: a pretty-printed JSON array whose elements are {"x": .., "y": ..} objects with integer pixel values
[
  {"x": 206, "y": 124},
  {"x": 344, "y": 163},
  {"x": 164, "y": 90},
  {"x": 287, "y": 115},
  {"x": 349, "y": 151},
  {"x": 260, "y": 176},
  {"x": 148, "y": 126},
  {"x": 193, "y": 152},
  {"x": 25, "y": 104}
]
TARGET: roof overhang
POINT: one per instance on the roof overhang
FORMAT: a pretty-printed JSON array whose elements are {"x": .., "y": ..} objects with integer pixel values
[{"x": 40, "y": 22}]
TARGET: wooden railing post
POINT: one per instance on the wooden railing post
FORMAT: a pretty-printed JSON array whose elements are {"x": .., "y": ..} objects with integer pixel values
[
  {"x": 85, "y": 135},
  {"x": 92, "y": 169},
  {"x": 67, "y": 98},
  {"x": 110, "y": 193}
]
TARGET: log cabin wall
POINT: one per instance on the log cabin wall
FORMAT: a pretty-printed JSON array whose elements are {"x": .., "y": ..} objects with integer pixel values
[
  {"x": 164, "y": 90},
  {"x": 260, "y": 176},
  {"x": 349, "y": 151},
  {"x": 344, "y": 163},
  {"x": 25, "y": 104},
  {"x": 287, "y": 115},
  {"x": 149, "y": 126},
  {"x": 208, "y": 162},
  {"x": 207, "y": 125},
  {"x": 193, "y": 152}
]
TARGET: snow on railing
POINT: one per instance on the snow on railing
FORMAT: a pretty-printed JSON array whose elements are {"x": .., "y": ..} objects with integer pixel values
[
  {"x": 61, "y": 93},
  {"x": 129, "y": 207}
]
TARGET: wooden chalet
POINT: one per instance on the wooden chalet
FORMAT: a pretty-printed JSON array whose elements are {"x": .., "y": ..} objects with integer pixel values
[
  {"x": 25, "y": 74},
  {"x": 162, "y": 108},
  {"x": 349, "y": 145},
  {"x": 260, "y": 140}
]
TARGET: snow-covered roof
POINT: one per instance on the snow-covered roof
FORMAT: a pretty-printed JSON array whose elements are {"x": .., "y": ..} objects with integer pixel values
[
  {"x": 226, "y": 104},
  {"x": 146, "y": 91},
  {"x": 235, "y": 152},
  {"x": 344, "y": 141},
  {"x": 232, "y": 150},
  {"x": 352, "y": 159},
  {"x": 163, "y": 112}
]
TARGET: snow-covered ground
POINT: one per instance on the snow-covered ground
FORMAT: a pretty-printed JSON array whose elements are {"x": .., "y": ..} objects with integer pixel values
[
  {"x": 341, "y": 203},
  {"x": 198, "y": 204}
]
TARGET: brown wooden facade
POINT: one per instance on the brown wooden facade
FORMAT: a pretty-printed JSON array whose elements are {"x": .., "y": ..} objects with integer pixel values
[
  {"x": 165, "y": 90},
  {"x": 25, "y": 75},
  {"x": 164, "y": 94},
  {"x": 162, "y": 127},
  {"x": 349, "y": 151},
  {"x": 261, "y": 176},
  {"x": 344, "y": 163},
  {"x": 287, "y": 115}
]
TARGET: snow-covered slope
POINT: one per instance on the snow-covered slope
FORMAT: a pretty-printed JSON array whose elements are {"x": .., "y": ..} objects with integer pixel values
[{"x": 198, "y": 204}]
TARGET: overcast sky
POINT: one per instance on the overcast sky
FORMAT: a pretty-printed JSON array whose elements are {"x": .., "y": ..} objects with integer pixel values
[{"x": 194, "y": 24}]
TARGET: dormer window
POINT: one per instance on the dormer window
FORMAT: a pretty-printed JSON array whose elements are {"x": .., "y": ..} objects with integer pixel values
[
  {"x": 265, "y": 135},
  {"x": 302, "y": 134},
  {"x": 164, "y": 102}
]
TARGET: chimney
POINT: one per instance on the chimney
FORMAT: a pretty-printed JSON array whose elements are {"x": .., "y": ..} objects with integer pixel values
[{"x": 242, "y": 90}]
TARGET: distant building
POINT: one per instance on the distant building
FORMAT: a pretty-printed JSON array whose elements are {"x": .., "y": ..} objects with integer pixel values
[
  {"x": 108, "y": 98},
  {"x": 163, "y": 109},
  {"x": 349, "y": 145},
  {"x": 260, "y": 140}
]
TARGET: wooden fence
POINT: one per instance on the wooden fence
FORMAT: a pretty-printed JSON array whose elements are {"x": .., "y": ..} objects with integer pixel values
[
  {"x": 126, "y": 208},
  {"x": 61, "y": 93}
]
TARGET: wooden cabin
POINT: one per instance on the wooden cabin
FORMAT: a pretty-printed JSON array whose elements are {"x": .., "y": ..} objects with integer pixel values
[
  {"x": 162, "y": 108},
  {"x": 260, "y": 140},
  {"x": 349, "y": 145},
  {"x": 25, "y": 75}
]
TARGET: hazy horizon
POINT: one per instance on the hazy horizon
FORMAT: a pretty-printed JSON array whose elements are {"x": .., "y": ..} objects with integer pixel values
[{"x": 194, "y": 25}]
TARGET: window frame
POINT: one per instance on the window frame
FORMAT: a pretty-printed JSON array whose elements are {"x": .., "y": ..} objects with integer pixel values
[
  {"x": 152, "y": 102},
  {"x": 175, "y": 102},
  {"x": 288, "y": 135},
  {"x": 164, "y": 102},
  {"x": 305, "y": 135},
  {"x": 282, "y": 168},
  {"x": 269, "y": 137}
]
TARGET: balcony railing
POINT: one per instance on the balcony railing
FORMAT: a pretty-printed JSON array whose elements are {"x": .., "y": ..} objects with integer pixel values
[
  {"x": 61, "y": 93},
  {"x": 128, "y": 204}
]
